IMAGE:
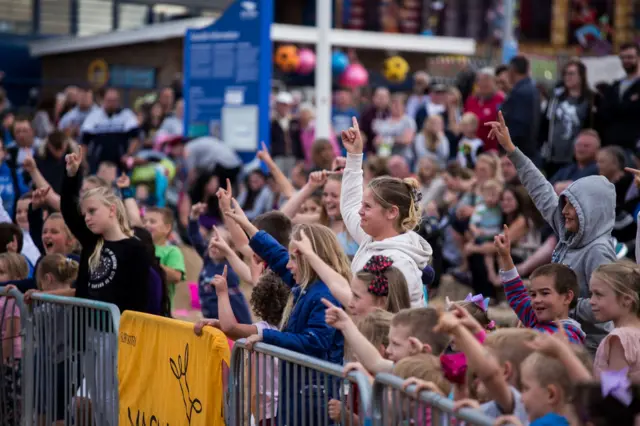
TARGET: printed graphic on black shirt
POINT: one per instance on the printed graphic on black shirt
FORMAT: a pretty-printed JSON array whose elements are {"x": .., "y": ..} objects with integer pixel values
[{"x": 105, "y": 272}]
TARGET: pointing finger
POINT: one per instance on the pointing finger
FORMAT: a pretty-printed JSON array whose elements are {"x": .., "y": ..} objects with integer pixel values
[
  {"x": 356, "y": 126},
  {"x": 326, "y": 303},
  {"x": 631, "y": 170},
  {"x": 224, "y": 271}
]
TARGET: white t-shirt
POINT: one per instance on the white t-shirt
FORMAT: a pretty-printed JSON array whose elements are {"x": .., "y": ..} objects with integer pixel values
[{"x": 491, "y": 409}]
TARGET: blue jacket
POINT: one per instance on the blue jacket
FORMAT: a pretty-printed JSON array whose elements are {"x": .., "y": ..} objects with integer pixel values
[
  {"x": 306, "y": 332},
  {"x": 207, "y": 294},
  {"x": 12, "y": 186}
]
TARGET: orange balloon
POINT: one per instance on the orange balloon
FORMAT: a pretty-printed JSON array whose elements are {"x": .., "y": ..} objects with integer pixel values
[{"x": 286, "y": 58}]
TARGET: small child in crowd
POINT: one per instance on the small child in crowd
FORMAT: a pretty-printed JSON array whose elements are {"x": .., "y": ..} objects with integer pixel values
[
  {"x": 615, "y": 290},
  {"x": 469, "y": 145},
  {"x": 159, "y": 222},
  {"x": 214, "y": 264},
  {"x": 551, "y": 295}
]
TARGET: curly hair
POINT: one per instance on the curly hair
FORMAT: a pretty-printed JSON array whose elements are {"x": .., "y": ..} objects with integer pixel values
[{"x": 269, "y": 297}]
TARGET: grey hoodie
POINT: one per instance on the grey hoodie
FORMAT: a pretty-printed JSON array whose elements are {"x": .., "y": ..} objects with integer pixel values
[{"x": 594, "y": 199}]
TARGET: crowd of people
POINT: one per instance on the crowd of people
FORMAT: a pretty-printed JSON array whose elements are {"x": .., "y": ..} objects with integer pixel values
[{"x": 531, "y": 202}]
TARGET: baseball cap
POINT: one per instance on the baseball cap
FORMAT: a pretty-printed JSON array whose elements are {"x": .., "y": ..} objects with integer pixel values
[{"x": 284, "y": 98}]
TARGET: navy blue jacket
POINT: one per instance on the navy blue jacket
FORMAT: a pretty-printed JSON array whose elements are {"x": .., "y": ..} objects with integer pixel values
[
  {"x": 306, "y": 332},
  {"x": 522, "y": 113}
]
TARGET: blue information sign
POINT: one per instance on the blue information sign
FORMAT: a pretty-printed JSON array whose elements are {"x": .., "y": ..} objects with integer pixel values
[{"x": 227, "y": 77}]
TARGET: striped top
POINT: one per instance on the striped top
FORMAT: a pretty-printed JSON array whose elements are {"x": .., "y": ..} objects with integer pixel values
[{"x": 520, "y": 302}]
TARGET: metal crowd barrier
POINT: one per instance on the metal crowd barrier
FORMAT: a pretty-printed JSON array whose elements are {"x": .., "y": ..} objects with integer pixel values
[
  {"x": 392, "y": 405},
  {"x": 75, "y": 353},
  {"x": 14, "y": 330},
  {"x": 274, "y": 383}
]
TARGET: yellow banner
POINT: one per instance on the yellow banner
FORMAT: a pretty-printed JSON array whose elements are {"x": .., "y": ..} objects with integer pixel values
[{"x": 168, "y": 375}]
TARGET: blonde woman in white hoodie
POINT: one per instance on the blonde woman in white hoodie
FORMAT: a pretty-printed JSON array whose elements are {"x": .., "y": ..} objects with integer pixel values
[{"x": 381, "y": 218}]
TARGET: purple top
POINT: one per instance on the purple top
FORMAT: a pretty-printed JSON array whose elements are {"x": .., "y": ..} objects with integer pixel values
[{"x": 155, "y": 292}]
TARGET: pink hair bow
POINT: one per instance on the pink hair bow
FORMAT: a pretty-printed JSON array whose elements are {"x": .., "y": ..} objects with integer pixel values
[
  {"x": 617, "y": 384},
  {"x": 480, "y": 301}
]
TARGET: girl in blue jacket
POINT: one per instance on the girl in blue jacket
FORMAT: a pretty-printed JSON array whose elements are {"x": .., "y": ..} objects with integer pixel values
[{"x": 303, "y": 328}]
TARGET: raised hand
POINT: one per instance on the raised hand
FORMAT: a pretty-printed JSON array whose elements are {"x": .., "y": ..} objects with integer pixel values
[
  {"x": 447, "y": 323},
  {"x": 551, "y": 344},
  {"x": 219, "y": 282},
  {"x": 466, "y": 319},
  {"x": 197, "y": 210},
  {"x": 352, "y": 138},
  {"x": 264, "y": 154},
  {"x": 29, "y": 163},
  {"x": 39, "y": 197},
  {"x": 236, "y": 213},
  {"x": 73, "y": 161},
  {"x": 303, "y": 245},
  {"x": 503, "y": 243},
  {"x": 636, "y": 175},
  {"x": 318, "y": 179},
  {"x": 218, "y": 243},
  {"x": 123, "y": 181},
  {"x": 225, "y": 196},
  {"x": 335, "y": 317},
  {"x": 500, "y": 131},
  {"x": 338, "y": 163}
]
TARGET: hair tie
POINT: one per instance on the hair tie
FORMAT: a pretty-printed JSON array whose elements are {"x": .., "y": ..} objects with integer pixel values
[
  {"x": 479, "y": 300},
  {"x": 491, "y": 326},
  {"x": 617, "y": 385},
  {"x": 378, "y": 265},
  {"x": 416, "y": 194}
]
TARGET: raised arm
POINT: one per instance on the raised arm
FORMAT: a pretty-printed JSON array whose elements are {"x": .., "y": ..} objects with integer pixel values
[
  {"x": 538, "y": 187},
  {"x": 238, "y": 236},
  {"x": 367, "y": 354},
  {"x": 286, "y": 187},
  {"x": 228, "y": 323},
  {"x": 338, "y": 285},
  {"x": 69, "y": 203},
  {"x": 316, "y": 181},
  {"x": 352, "y": 183},
  {"x": 239, "y": 266},
  {"x": 53, "y": 199}
]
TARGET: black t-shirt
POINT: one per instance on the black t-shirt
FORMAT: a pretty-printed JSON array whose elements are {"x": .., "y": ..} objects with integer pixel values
[{"x": 122, "y": 276}]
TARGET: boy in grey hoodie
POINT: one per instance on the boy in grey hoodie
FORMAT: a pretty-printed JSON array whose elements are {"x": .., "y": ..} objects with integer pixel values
[{"x": 582, "y": 217}]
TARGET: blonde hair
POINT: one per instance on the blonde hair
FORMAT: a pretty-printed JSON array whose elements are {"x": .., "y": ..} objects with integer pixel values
[
  {"x": 375, "y": 327},
  {"x": 624, "y": 278},
  {"x": 551, "y": 371},
  {"x": 16, "y": 265},
  {"x": 493, "y": 161},
  {"x": 326, "y": 246},
  {"x": 508, "y": 345},
  {"x": 470, "y": 118},
  {"x": 65, "y": 229},
  {"x": 63, "y": 269},
  {"x": 107, "y": 197},
  {"x": 492, "y": 184},
  {"x": 424, "y": 367},
  {"x": 403, "y": 194},
  {"x": 397, "y": 297},
  {"x": 431, "y": 140}
]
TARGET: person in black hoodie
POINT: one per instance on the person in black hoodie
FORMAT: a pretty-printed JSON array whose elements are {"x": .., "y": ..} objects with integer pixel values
[
  {"x": 621, "y": 104},
  {"x": 114, "y": 268}
]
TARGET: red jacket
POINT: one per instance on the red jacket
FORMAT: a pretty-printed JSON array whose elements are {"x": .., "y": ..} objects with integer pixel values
[{"x": 486, "y": 110}]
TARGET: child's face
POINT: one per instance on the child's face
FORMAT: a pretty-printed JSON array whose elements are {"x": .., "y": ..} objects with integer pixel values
[
  {"x": 362, "y": 302},
  {"x": 293, "y": 266},
  {"x": 491, "y": 197},
  {"x": 331, "y": 198},
  {"x": 536, "y": 399},
  {"x": 605, "y": 302},
  {"x": 97, "y": 215},
  {"x": 55, "y": 238},
  {"x": 468, "y": 128},
  {"x": 309, "y": 207},
  {"x": 399, "y": 344},
  {"x": 547, "y": 303},
  {"x": 108, "y": 173},
  {"x": 22, "y": 211},
  {"x": 215, "y": 254},
  {"x": 154, "y": 223}
]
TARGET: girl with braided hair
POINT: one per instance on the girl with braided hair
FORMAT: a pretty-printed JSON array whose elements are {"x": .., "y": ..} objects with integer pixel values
[{"x": 378, "y": 285}]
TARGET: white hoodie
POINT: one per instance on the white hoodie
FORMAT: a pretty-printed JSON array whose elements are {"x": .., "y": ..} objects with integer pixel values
[{"x": 410, "y": 252}]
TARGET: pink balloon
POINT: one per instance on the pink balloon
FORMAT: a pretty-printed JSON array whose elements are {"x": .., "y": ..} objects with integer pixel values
[
  {"x": 354, "y": 76},
  {"x": 307, "y": 61}
]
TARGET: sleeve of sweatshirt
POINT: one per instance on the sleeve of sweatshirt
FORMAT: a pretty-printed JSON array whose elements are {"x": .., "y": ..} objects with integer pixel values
[
  {"x": 274, "y": 254},
  {"x": 413, "y": 275},
  {"x": 351, "y": 197},
  {"x": 518, "y": 297},
  {"x": 595, "y": 256},
  {"x": 638, "y": 240},
  {"x": 539, "y": 189}
]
